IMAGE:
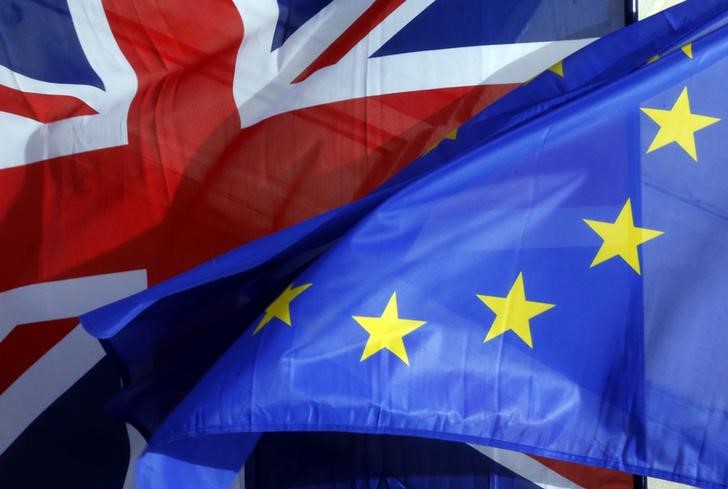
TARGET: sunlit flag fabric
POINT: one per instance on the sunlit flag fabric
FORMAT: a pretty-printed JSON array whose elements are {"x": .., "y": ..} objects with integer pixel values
[
  {"x": 554, "y": 285},
  {"x": 140, "y": 138}
]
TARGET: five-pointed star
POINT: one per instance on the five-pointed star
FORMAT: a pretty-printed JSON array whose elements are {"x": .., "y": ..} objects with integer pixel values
[
  {"x": 558, "y": 68},
  {"x": 513, "y": 312},
  {"x": 280, "y": 308},
  {"x": 686, "y": 48},
  {"x": 678, "y": 125},
  {"x": 621, "y": 238},
  {"x": 451, "y": 136},
  {"x": 387, "y": 331}
]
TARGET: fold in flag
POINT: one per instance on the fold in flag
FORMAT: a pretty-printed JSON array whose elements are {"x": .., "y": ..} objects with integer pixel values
[
  {"x": 143, "y": 137},
  {"x": 552, "y": 281}
]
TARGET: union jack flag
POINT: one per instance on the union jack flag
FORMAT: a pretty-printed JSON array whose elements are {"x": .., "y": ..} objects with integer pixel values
[{"x": 140, "y": 138}]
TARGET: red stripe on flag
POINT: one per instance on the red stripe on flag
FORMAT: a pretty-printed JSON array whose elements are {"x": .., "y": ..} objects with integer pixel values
[
  {"x": 590, "y": 477},
  {"x": 42, "y": 107},
  {"x": 355, "y": 33},
  {"x": 192, "y": 184},
  {"x": 26, "y": 344}
]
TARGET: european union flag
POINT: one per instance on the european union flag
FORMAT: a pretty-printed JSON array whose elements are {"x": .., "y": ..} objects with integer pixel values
[{"x": 552, "y": 281}]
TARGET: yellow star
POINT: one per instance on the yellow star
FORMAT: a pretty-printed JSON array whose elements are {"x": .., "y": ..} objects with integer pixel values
[
  {"x": 621, "y": 238},
  {"x": 513, "y": 312},
  {"x": 387, "y": 331},
  {"x": 688, "y": 50},
  {"x": 558, "y": 68},
  {"x": 678, "y": 125},
  {"x": 451, "y": 136},
  {"x": 280, "y": 308}
]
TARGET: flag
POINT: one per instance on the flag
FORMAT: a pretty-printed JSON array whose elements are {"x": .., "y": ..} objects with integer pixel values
[
  {"x": 552, "y": 286},
  {"x": 141, "y": 138},
  {"x": 296, "y": 459}
]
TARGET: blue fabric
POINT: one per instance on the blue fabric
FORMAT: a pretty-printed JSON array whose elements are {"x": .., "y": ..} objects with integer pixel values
[
  {"x": 39, "y": 40},
  {"x": 625, "y": 370},
  {"x": 496, "y": 22},
  {"x": 74, "y": 431},
  {"x": 478, "y": 22},
  {"x": 292, "y": 14}
]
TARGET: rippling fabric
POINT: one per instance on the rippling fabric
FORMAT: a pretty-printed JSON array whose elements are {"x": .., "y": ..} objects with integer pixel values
[{"x": 551, "y": 281}]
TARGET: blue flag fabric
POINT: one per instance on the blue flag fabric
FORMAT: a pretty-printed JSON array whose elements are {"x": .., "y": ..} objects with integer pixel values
[{"x": 553, "y": 282}]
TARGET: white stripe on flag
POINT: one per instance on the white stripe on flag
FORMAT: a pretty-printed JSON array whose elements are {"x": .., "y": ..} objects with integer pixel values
[
  {"x": 239, "y": 482},
  {"x": 64, "y": 364},
  {"x": 137, "y": 444},
  {"x": 45, "y": 381},
  {"x": 528, "y": 468},
  {"x": 65, "y": 298},
  {"x": 653, "y": 483}
]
